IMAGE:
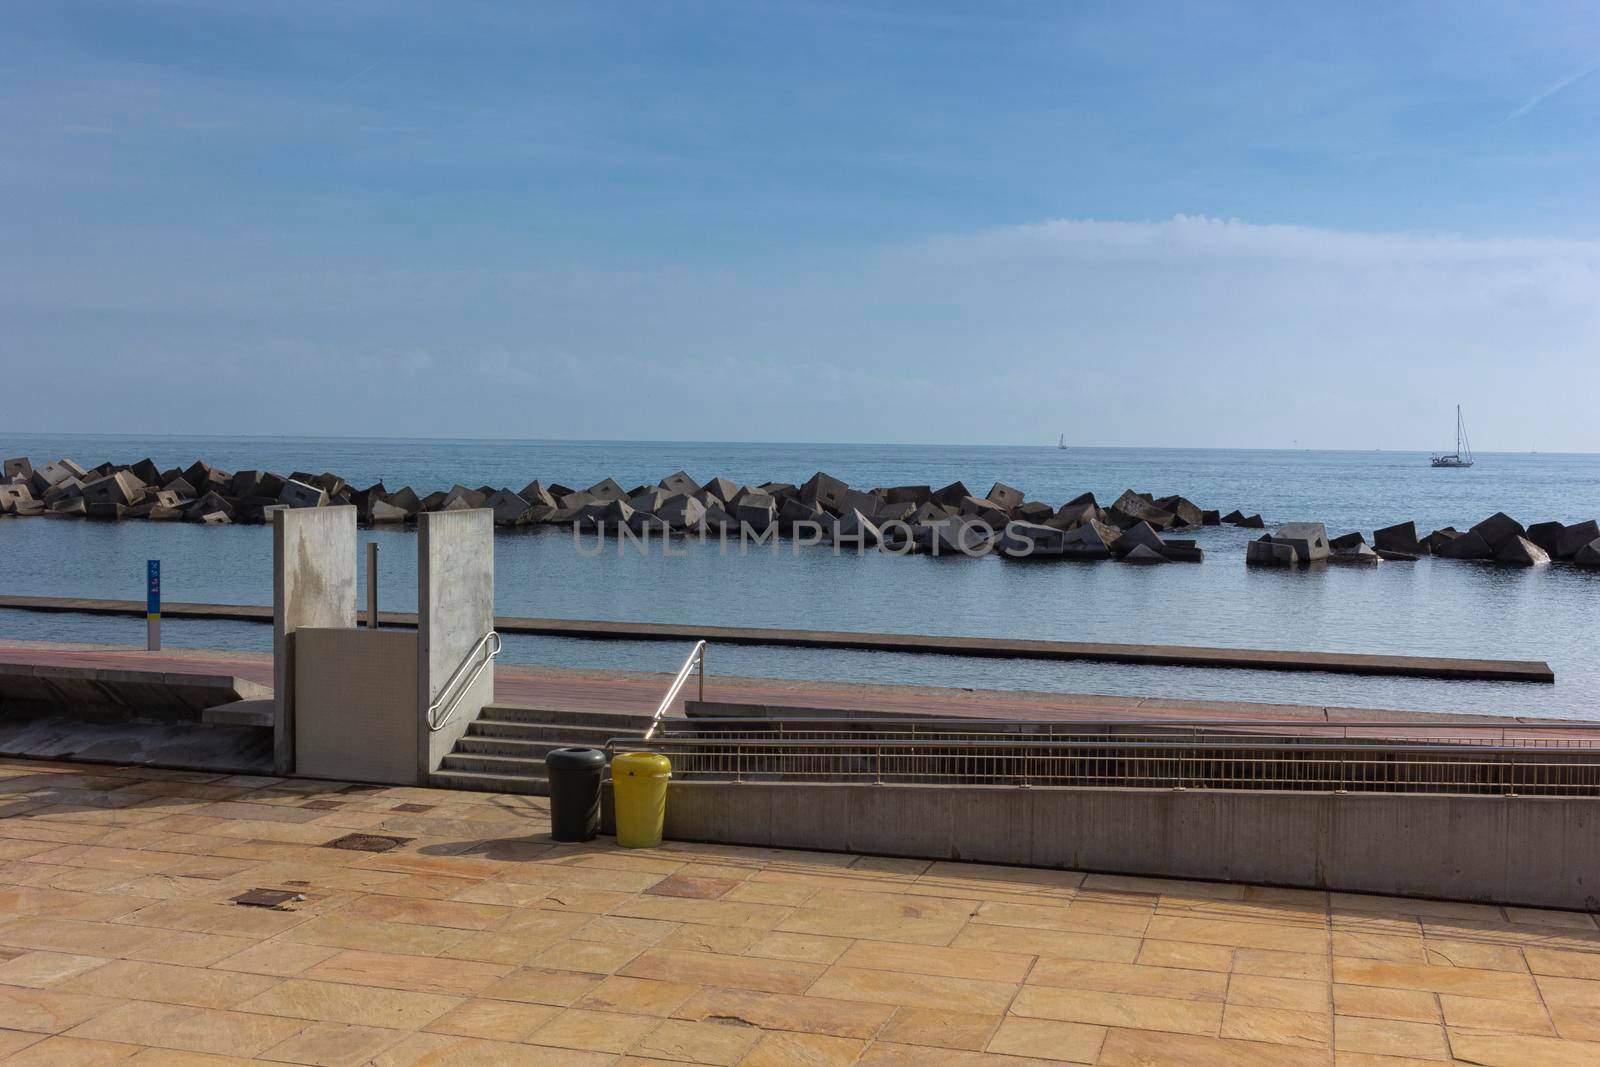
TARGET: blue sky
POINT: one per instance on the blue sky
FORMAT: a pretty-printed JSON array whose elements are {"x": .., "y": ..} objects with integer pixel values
[{"x": 1197, "y": 224}]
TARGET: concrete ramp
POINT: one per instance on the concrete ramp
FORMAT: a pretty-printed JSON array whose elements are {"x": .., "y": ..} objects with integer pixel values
[{"x": 109, "y": 694}]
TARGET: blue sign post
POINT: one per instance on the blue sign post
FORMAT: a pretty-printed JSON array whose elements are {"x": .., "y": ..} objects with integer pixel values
[{"x": 152, "y": 607}]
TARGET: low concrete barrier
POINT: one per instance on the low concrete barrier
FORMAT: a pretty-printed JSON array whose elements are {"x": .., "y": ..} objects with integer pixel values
[
  {"x": 1532, "y": 851},
  {"x": 1499, "y": 670}
]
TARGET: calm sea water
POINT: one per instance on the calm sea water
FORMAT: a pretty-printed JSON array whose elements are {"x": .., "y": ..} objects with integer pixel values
[{"x": 1432, "y": 607}]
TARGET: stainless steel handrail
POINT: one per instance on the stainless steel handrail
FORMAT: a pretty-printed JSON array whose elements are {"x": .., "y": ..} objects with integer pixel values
[
  {"x": 697, "y": 657},
  {"x": 435, "y": 723}
]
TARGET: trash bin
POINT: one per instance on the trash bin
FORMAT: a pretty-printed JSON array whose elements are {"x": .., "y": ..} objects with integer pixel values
[
  {"x": 639, "y": 787},
  {"x": 575, "y": 775}
]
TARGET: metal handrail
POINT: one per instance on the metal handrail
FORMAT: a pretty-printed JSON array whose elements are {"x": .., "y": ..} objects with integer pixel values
[
  {"x": 697, "y": 657},
  {"x": 435, "y": 723}
]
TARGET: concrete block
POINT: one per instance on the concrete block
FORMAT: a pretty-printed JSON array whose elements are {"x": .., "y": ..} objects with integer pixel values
[
  {"x": 182, "y": 487},
  {"x": 682, "y": 511},
  {"x": 146, "y": 471},
  {"x": 756, "y": 510},
  {"x": 1358, "y": 553},
  {"x": 1441, "y": 537},
  {"x": 215, "y": 518},
  {"x": 1310, "y": 540},
  {"x": 793, "y": 511},
  {"x": 507, "y": 507},
  {"x": 648, "y": 499},
  {"x": 1144, "y": 554},
  {"x": 13, "y": 495},
  {"x": 1390, "y": 555},
  {"x": 721, "y": 488},
  {"x": 67, "y": 489},
  {"x": 1177, "y": 551},
  {"x": 1234, "y": 517},
  {"x": 206, "y": 505},
  {"x": 1401, "y": 537},
  {"x": 1345, "y": 542},
  {"x": 331, "y": 484},
  {"x": 1210, "y": 518},
  {"x": 1269, "y": 553},
  {"x": 535, "y": 493},
  {"x": 915, "y": 495},
  {"x": 825, "y": 491},
  {"x": 1521, "y": 552},
  {"x": 383, "y": 513},
  {"x": 1079, "y": 509},
  {"x": 1470, "y": 545},
  {"x": 1004, "y": 497},
  {"x": 1132, "y": 507},
  {"x": 679, "y": 483},
  {"x": 1588, "y": 556},
  {"x": 1034, "y": 511},
  {"x": 605, "y": 515},
  {"x": 868, "y": 504},
  {"x": 1139, "y": 535},
  {"x": 1090, "y": 540},
  {"x": 536, "y": 514},
  {"x": 120, "y": 488},
  {"x": 952, "y": 495},
  {"x": 1498, "y": 530},
  {"x": 300, "y": 495},
  {"x": 53, "y": 474},
  {"x": 460, "y": 498},
  {"x": 105, "y": 510},
  {"x": 576, "y": 501},
  {"x": 1575, "y": 538},
  {"x": 606, "y": 490},
  {"x": 246, "y": 483},
  {"x": 73, "y": 508},
  {"x": 405, "y": 498},
  {"x": 930, "y": 512},
  {"x": 715, "y": 518},
  {"x": 1186, "y": 511},
  {"x": 901, "y": 512},
  {"x": 18, "y": 467},
  {"x": 854, "y": 528},
  {"x": 1547, "y": 535},
  {"x": 1028, "y": 540},
  {"x": 1253, "y": 522},
  {"x": 164, "y": 514}
]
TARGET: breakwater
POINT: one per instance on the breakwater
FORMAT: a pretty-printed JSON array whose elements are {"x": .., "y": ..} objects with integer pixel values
[{"x": 1136, "y": 527}]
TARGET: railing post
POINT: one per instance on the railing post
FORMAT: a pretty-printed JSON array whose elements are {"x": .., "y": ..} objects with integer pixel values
[
  {"x": 702, "y": 674},
  {"x": 372, "y": 585}
]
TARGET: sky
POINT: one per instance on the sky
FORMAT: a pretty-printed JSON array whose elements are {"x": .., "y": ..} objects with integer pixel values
[{"x": 1206, "y": 224}]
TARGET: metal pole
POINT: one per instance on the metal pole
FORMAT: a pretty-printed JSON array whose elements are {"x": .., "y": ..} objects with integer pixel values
[
  {"x": 702, "y": 674},
  {"x": 153, "y": 605},
  {"x": 372, "y": 585}
]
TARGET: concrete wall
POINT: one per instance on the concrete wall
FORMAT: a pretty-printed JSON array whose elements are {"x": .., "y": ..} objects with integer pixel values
[
  {"x": 356, "y": 702},
  {"x": 455, "y": 608},
  {"x": 313, "y": 584},
  {"x": 1512, "y": 850}
]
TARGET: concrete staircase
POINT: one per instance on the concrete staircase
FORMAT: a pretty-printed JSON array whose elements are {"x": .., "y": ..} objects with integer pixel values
[{"x": 503, "y": 750}]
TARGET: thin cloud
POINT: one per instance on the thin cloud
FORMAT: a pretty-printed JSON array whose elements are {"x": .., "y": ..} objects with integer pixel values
[{"x": 1534, "y": 101}]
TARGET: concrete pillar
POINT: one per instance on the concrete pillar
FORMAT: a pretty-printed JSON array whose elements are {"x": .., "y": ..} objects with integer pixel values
[
  {"x": 313, "y": 585},
  {"x": 455, "y": 609}
]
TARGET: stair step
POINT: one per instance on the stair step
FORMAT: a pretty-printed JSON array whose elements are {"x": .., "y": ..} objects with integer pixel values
[
  {"x": 488, "y": 782},
  {"x": 565, "y": 733},
  {"x": 607, "y": 719},
  {"x": 480, "y": 762},
  {"x": 509, "y": 746}
]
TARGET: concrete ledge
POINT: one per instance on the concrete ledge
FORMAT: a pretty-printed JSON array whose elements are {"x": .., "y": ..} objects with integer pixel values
[
  {"x": 99, "y": 692},
  {"x": 987, "y": 647},
  {"x": 1529, "y": 851}
]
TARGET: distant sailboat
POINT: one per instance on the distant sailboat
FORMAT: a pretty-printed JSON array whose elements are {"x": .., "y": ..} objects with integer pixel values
[
  {"x": 1063, "y": 442},
  {"x": 1462, "y": 456}
]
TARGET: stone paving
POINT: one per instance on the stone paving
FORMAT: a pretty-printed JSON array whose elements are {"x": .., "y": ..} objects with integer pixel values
[{"x": 479, "y": 941}]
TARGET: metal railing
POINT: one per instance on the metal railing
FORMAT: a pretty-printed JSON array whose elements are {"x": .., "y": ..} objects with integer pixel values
[
  {"x": 1383, "y": 757},
  {"x": 697, "y": 657},
  {"x": 450, "y": 696}
]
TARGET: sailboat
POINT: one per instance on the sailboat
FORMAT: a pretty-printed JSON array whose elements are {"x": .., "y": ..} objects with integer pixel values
[
  {"x": 1462, "y": 456},
  {"x": 1063, "y": 442}
]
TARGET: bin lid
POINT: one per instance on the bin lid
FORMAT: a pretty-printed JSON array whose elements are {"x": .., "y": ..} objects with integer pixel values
[
  {"x": 641, "y": 765},
  {"x": 576, "y": 757}
]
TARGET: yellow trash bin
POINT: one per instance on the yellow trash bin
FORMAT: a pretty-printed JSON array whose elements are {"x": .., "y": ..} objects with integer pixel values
[{"x": 639, "y": 787}]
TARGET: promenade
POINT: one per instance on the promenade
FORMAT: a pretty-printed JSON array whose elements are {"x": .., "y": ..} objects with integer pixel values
[{"x": 476, "y": 940}]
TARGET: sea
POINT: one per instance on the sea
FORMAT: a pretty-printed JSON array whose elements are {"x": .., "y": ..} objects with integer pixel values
[{"x": 1433, "y": 607}]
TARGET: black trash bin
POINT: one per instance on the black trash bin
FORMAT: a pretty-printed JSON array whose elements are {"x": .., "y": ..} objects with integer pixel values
[{"x": 575, "y": 775}]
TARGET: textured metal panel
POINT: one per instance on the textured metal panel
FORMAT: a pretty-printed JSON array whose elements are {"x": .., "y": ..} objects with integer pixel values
[{"x": 356, "y": 714}]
